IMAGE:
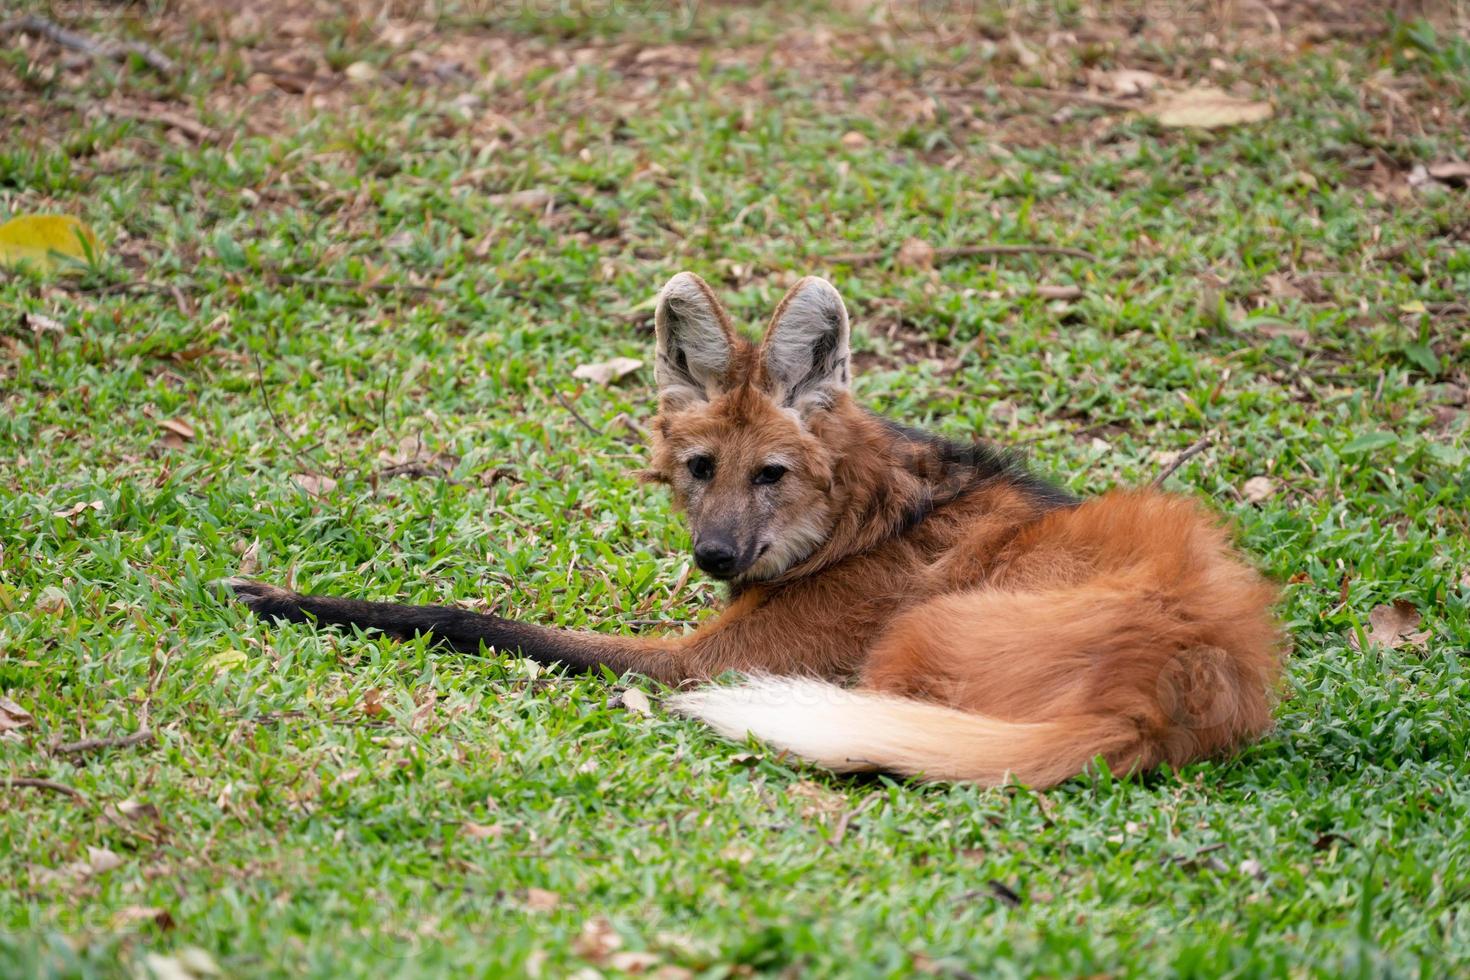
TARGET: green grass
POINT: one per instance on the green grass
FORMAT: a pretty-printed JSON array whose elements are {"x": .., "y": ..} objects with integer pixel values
[{"x": 314, "y": 796}]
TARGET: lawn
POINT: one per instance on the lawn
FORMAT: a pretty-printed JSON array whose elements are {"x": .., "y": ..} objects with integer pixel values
[{"x": 351, "y": 262}]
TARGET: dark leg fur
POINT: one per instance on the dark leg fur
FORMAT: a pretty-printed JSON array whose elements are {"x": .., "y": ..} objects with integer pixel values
[{"x": 462, "y": 630}]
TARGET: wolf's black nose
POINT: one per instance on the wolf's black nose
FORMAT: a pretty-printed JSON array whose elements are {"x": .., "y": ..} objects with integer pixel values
[{"x": 715, "y": 557}]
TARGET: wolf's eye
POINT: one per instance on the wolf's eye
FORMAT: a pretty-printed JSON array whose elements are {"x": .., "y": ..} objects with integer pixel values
[
  {"x": 768, "y": 474},
  {"x": 702, "y": 468}
]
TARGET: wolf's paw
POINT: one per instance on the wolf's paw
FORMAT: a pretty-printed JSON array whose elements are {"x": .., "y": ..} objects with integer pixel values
[{"x": 262, "y": 599}]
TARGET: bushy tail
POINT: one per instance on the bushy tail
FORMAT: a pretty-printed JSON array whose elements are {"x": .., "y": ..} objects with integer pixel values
[{"x": 858, "y": 730}]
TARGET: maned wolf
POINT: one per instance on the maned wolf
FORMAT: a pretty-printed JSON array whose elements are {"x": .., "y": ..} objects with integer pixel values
[{"x": 900, "y": 602}]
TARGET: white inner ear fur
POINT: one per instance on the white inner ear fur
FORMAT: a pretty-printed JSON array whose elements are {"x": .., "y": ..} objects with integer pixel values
[
  {"x": 806, "y": 351},
  {"x": 693, "y": 350}
]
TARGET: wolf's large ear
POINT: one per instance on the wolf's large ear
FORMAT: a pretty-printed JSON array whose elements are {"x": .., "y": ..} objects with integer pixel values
[
  {"x": 694, "y": 341},
  {"x": 806, "y": 347}
]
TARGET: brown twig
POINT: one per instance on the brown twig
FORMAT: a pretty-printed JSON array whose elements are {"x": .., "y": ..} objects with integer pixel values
[
  {"x": 40, "y": 26},
  {"x": 310, "y": 464},
  {"x": 577, "y": 415},
  {"x": 113, "y": 742},
  {"x": 46, "y": 784},
  {"x": 415, "y": 469},
  {"x": 1181, "y": 459},
  {"x": 840, "y": 831},
  {"x": 271, "y": 717},
  {"x": 191, "y": 128},
  {"x": 1086, "y": 98},
  {"x": 968, "y": 251},
  {"x": 374, "y": 287}
]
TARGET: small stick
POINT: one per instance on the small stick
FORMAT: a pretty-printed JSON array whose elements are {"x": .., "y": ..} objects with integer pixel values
[
  {"x": 265, "y": 397},
  {"x": 46, "y": 784},
  {"x": 1086, "y": 98},
  {"x": 1181, "y": 459},
  {"x": 968, "y": 251},
  {"x": 191, "y": 128},
  {"x": 840, "y": 831},
  {"x": 114, "y": 742},
  {"x": 40, "y": 26},
  {"x": 576, "y": 415},
  {"x": 372, "y": 287}
]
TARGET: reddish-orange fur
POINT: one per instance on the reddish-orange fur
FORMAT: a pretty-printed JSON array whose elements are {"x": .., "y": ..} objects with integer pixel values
[{"x": 1125, "y": 626}]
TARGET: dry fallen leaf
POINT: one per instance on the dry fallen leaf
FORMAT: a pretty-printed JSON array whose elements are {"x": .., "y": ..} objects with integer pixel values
[
  {"x": 1207, "y": 108},
  {"x": 141, "y": 818},
  {"x": 77, "y": 508},
  {"x": 424, "y": 713},
  {"x": 606, "y": 372},
  {"x": 372, "y": 703},
  {"x": 1024, "y": 55},
  {"x": 632, "y": 961},
  {"x": 1450, "y": 171},
  {"x": 315, "y": 484},
  {"x": 923, "y": 964},
  {"x": 97, "y": 861},
  {"x": 360, "y": 71},
  {"x": 249, "y": 560},
  {"x": 190, "y": 963},
  {"x": 532, "y": 199},
  {"x": 480, "y": 831},
  {"x": 1258, "y": 488},
  {"x": 178, "y": 427},
  {"x": 12, "y": 715},
  {"x": 42, "y": 324},
  {"x": 1059, "y": 292},
  {"x": 597, "y": 940},
  {"x": 636, "y": 701},
  {"x": 100, "y": 859},
  {"x": 915, "y": 253},
  {"x": 1392, "y": 626},
  {"x": 854, "y": 140},
  {"x": 134, "y": 810},
  {"x": 816, "y": 801},
  {"x": 1129, "y": 81},
  {"x": 51, "y": 600},
  {"x": 541, "y": 900}
]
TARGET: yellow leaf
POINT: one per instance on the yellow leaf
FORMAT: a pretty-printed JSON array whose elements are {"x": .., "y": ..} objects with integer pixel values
[
  {"x": 228, "y": 660},
  {"x": 40, "y": 239}
]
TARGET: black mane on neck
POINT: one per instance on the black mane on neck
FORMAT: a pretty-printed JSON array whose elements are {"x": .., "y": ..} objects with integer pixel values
[{"x": 955, "y": 469}]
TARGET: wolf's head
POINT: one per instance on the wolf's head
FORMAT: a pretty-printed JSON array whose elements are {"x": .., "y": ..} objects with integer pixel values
[{"x": 741, "y": 434}]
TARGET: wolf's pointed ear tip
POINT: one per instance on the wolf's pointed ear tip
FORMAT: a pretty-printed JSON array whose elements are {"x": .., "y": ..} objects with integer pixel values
[
  {"x": 682, "y": 282},
  {"x": 817, "y": 283}
]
